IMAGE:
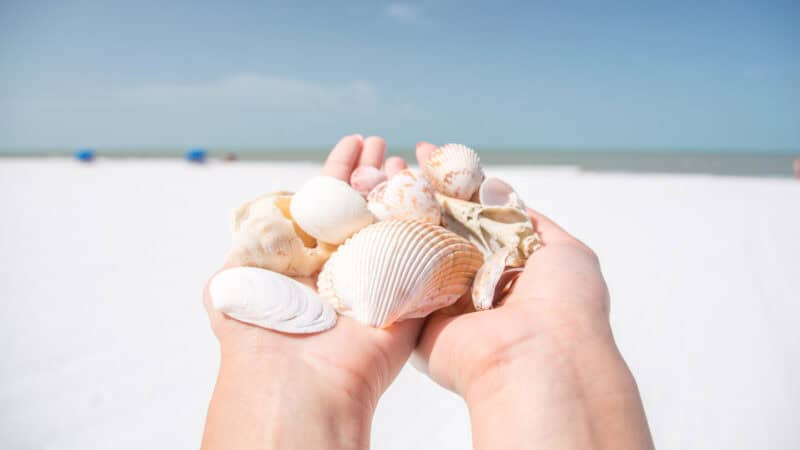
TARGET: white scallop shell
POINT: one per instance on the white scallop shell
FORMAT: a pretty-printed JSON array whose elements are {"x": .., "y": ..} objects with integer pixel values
[
  {"x": 496, "y": 192},
  {"x": 395, "y": 270},
  {"x": 329, "y": 209},
  {"x": 365, "y": 178},
  {"x": 270, "y": 300},
  {"x": 454, "y": 170},
  {"x": 264, "y": 235},
  {"x": 405, "y": 196}
]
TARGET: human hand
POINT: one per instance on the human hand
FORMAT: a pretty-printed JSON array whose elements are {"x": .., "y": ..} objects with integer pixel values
[
  {"x": 309, "y": 391},
  {"x": 542, "y": 369}
]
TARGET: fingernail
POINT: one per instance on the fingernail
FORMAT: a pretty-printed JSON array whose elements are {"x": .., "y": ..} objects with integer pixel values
[{"x": 359, "y": 136}]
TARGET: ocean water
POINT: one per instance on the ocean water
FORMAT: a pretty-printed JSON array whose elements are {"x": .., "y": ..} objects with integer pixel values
[{"x": 759, "y": 164}]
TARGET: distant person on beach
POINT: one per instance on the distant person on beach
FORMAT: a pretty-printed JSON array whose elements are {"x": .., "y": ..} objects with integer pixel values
[{"x": 541, "y": 372}]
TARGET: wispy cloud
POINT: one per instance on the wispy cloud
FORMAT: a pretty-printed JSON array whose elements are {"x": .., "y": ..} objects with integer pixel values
[{"x": 404, "y": 12}]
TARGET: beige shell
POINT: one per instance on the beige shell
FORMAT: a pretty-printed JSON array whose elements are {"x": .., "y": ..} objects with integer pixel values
[
  {"x": 329, "y": 209},
  {"x": 493, "y": 277},
  {"x": 496, "y": 192},
  {"x": 365, "y": 178},
  {"x": 270, "y": 300},
  {"x": 405, "y": 196},
  {"x": 395, "y": 270},
  {"x": 491, "y": 228},
  {"x": 264, "y": 235},
  {"x": 454, "y": 170}
]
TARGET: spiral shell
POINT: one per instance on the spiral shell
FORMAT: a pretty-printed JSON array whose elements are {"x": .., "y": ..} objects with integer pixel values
[
  {"x": 405, "y": 196},
  {"x": 395, "y": 270},
  {"x": 454, "y": 170}
]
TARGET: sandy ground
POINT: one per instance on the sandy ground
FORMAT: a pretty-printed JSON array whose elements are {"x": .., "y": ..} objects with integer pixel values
[{"x": 105, "y": 343}]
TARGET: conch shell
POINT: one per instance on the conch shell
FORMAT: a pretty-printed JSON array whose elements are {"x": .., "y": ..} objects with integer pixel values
[
  {"x": 365, "y": 178},
  {"x": 454, "y": 170},
  {"x": 270, "y": 300},
  {"x": 493, "y": 277},
  {"x": 405, "y": 196},
  {"x": 329, "y": 209},
  {"x": 395, "y": 270},
  {"x": 264, "y": 235}
]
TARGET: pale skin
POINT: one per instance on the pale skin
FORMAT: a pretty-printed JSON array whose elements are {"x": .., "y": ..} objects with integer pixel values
[{"x": 540, "y": 372}]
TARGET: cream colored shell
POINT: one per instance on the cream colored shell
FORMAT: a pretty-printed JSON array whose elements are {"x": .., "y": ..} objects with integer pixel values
[
  {"x": 270, "y": 300},
  {"x": 264, "y": 235},
  {"x": 395, "y": 270},
  {"x": 329, "y": 209},
  {"x": 454, "y": 170},
  {"x": 405, "y": 196},
  {"x": 365, "y": 178}
]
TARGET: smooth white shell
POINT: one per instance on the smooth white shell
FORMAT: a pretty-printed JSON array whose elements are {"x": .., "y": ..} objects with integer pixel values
[
  {"x": 454, "y": 170},
  {"x": 365, "y": 178},
  {"x": 329, "y": 209},
  {"x": 496, "y": 192},
  {"x": 270, "y": 300},
  {"x": 405, "y": 196},
  {"x": 395, "y": 270},
  {"x": 264, "y": 235}
]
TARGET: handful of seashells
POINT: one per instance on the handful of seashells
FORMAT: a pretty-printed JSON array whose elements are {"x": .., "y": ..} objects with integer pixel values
[{"x": 381, "y": 250}]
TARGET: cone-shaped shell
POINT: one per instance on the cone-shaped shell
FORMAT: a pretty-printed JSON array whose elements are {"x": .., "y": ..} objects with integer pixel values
[
  {"x": 395, "y": 270},
  {"x": 264, "y": 235},
  {"x": 405, "y": 196},
  {"x": 270, "y": 300},
  {"x": 329, "y": 209},
  {"x": 454, "y": 170}
]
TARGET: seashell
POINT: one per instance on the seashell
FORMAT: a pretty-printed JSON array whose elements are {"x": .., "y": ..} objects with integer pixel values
[
  {"x": 405, "y": 196},
  {"x": 395, "y": 270},
  {"x": 454, "y": 170},
  {"x": 270, "y": 300},
  {"x": 496, "y": 192},
  {"x": 264, "y": 235},
  {"x": 329, "y": 209},
  {"x": 491, "y": 228},
  {"x": 365, "y": 178},
  {"x": 493, "y": 277}
]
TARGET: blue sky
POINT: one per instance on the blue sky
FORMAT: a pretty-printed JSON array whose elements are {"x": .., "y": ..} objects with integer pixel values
[{"x": 584, "y": 75}]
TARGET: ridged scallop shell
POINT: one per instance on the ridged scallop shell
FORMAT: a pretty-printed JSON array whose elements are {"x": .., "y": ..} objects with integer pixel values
[
  {"x": 454, "y": 170},
  {"x": 405, "y": 196},
  {"x": 270, "y": 300},
  {"x": 264, "y": 235},
  {"x": 329, "y": 209},
  {"x": 365, "y": 178},
  {"x": 395, "y": 270}
]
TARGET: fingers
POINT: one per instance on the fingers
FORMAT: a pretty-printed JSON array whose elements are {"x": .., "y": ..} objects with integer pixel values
[
  {"x": 344, "y": 157},
  {"x": 424, "y": 150},
  {"x": 373, "y": 152},
  {"x": 395, "y": 164}
]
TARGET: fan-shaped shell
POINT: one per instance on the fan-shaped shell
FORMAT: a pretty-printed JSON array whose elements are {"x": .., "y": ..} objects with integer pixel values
[
  {"x": 454, "y": 170},
  {"x": 365, "y": 178},
  {"x": 405, "y": 196},
  {"x": 264, "y": 235},
  {"x": 395, "y": 270},
  {"x": 270, "y": 300},
  {"x": 329, "y": 209}
]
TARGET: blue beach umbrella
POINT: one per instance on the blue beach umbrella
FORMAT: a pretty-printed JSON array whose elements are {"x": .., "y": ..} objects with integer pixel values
[
  {"x": 85, "y": 155},
  {"x": 196, "y": 155}
]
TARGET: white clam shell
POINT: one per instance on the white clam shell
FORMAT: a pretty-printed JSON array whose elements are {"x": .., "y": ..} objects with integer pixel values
[
  {"x": 264, "y": 235},
  {"x": 496, "y": 192},
  {"x": 365, "y": 178},
  {"x": 454, "y": 170},
  {"x": 329, "y": 209},
  {"x": 270, "y": 300},
  {"x": 405, "y": 196},
  {"x": 395, "y": 270}
]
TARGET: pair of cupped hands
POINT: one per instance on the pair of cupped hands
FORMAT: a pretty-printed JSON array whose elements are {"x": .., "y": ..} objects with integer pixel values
[{"x": 556, "y": 312}]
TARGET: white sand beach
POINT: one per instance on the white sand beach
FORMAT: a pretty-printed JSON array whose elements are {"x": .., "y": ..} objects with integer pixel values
[{"x": 105, "y": 343}]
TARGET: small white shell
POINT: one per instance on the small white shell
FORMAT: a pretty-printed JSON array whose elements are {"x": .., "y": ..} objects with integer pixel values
[
  {"x": 329, "y": 209},
  {"x": 454, "y": 170},
  {"x": 365, "y": 178},
  {"x": 496, "y": 192},
  {"x": 264, "y": 235},
  {"x": 395, "y": 270},
  {"x": 405, "y": 196},
  {"x": 270, "y": 300}
]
